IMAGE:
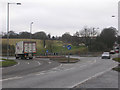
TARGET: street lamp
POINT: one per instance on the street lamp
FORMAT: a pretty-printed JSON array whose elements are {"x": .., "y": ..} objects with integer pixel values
[
  {"x": 31, "y": 29},
  {"x": 113, "y": 16},
  {"x": 8, "y": 4}
]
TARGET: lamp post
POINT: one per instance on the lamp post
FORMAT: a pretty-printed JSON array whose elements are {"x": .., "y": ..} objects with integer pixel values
[
  {"x": 8, "y": 4},
  {"x": 31, "y": 29},
  {"x": 118, "y": 39},
  {"x": 113, "y": 16}
]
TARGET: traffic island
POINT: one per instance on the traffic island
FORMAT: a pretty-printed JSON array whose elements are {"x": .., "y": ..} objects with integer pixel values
[
  {"x": 65, "y": 60},
  {"x": 118, "y": 67},
  {"x": 49, "y": 56},
  {"x": 7, "y": 63}
]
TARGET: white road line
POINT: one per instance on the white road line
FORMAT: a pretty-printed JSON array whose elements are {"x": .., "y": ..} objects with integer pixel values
[
  {"x": 15, "y": 65},
  {"x": 38, "y": 62},
  {"x": 28, "y": 63},
  {"x": 96, "y": 75},
  {"x": 49, "y": 62},
  {"x": 58, "y": 66},
  {"x": 11, "y": 78},
  {"x": 40, "y": 74},
  {"x": 69, "y": 69},
  {"x": 52, "y": 71},
  {"x": 91, "y": 62}
]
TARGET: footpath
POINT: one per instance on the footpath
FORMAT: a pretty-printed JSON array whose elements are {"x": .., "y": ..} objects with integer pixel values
[{"x": 109, "y": 80}]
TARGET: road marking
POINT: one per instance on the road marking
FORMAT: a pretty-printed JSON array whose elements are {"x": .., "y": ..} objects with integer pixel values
[
  {"x": 15, "y": 65},
  {"x": 11, "y": 78},
  {"x": 57, "y": 67},
  {"x": 69, "y": 69},
  {"x": 49, "y": 62},
  {"x": 39, "y": 63},
  {"x": 40, "y": 74},
  {"x": 52, "y": 71},
  {"x": 91, "y": 62},
  {"x": 96, "y": 75},
  {"x": 28, "y": 63},
  {"x": 82, "y": 65}
]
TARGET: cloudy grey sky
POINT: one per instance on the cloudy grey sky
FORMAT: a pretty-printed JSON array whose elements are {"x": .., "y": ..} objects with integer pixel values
[{"x": 59, "y": 16}]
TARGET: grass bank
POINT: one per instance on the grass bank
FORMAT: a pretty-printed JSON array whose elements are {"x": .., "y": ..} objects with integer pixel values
[
  {"x": 118, "y": 67},
  {"x": 6, "y": 63},
  {"x": 53, "y": 46}
]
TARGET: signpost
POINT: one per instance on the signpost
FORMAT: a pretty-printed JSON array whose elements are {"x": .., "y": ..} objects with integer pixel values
[
  {"x": 46, "y": 52},
  {"x": 69, "y": 48}
]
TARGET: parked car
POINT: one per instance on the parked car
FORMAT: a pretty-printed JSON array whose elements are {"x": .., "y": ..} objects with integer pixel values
[
  {"x": 117, "y": 50},
  {"x": 106, "y": 55},
  {"x": 112, "y": 52}
]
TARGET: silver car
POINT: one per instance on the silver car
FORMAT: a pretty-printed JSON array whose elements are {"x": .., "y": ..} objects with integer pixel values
[{"x": 106, "y": 55}]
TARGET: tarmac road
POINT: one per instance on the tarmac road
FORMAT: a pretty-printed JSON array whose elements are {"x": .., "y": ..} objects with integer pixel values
[
  {"x": 25, "y": 67},
  {"x": 64, "y": 76}
]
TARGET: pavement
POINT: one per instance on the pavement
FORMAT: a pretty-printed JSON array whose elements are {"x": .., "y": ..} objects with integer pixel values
[
  {"x": 63, "y": 76},
  {"x": 106, "y": 80}
]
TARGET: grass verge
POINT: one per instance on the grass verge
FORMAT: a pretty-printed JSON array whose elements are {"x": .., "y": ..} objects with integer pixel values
[
  {"x": 118, "y": 67},
  {"x": 6, "y": 63},
  {"x": 65, "y": 60}
]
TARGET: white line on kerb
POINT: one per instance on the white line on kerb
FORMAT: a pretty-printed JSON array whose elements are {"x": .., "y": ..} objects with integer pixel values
[{"x": 10, "y": 78}]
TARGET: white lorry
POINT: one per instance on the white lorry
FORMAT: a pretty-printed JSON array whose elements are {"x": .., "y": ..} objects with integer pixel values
[{"x": 25, "y": 49}]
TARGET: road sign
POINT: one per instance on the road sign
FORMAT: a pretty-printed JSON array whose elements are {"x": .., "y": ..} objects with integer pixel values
[
  {"x": 46, "y": 51},
  {"x": 68, "y": 47}
]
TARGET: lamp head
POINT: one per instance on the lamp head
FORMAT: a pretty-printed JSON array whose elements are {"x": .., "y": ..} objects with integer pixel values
[
  {"x": 18, "y": 3},
  {"x": 31, "y": 22}
]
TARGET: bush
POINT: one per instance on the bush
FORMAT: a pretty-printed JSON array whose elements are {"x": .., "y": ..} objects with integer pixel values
[
  {"x": 97, "y": 46},
  {"x": 11, "y": 49}
]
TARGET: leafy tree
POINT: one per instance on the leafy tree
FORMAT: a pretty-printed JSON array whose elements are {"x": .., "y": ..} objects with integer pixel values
[
  {"x": 66, "y": 37},
  {"x": 88, "y": 36},
  {"x": 24, "y": 35},
  {"x": 77, "y": 34},
  {"x": 12, "y": 34},
  {"x": 49, "y": 36},
  {"x": 53, "y": 37},
  {"x": 108, "y": 37},
  {"x": 75, "y": 40},
  {"x": 118, "y": 39},
  {"x": 105, "y": 41},
  {"x": 40, "y": 35}
]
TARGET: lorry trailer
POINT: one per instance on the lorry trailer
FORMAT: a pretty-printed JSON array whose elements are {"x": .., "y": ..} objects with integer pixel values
[{"x": 25, "y": 49}]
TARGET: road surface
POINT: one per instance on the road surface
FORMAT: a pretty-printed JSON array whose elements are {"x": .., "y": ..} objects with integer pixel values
[
  {"x": 63, "y": 76},
  {"x": 26, "y": 67}
]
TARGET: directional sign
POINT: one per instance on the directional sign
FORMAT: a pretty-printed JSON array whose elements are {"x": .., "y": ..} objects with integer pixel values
[
  {"x": 68, "y": 47},
  {"x": 46, "y": 51}
]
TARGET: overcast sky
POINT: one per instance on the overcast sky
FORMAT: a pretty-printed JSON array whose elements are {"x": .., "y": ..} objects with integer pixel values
[{"x": 59, "y": 16}]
